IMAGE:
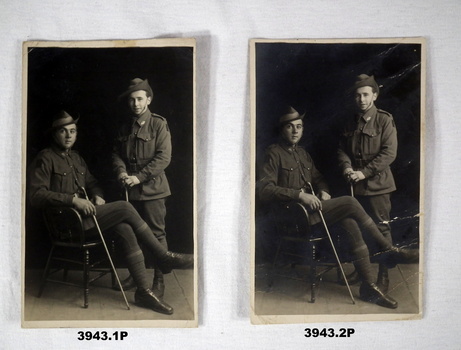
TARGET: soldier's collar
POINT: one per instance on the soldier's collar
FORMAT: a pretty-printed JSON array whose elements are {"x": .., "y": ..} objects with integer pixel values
[
  {"x": 288, "y": 146},
  {"x": 60, "y": 152},
  {"x": 141, "y": 120},
  {"x": 367, "y": 115}
]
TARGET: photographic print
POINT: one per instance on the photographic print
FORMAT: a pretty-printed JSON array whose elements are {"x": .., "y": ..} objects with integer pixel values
[
  {"x": 109, "y": 214},
  {"x": 337, "y": 171}
]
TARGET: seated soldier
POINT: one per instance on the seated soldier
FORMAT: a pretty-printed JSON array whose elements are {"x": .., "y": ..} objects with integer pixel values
[
  {"x": 286, "y": 175},
  {"x": 57, "y": 176}
]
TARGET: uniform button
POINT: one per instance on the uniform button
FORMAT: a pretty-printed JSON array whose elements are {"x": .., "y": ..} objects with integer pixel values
[
  {"x": 291, "y": 169},
  {"x": 65, "y": 174}
]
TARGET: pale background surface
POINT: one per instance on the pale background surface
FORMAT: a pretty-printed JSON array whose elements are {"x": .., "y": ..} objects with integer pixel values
[{"x": 222, "y": 30}]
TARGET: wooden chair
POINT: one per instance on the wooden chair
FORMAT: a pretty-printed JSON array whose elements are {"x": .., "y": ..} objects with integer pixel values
[
  {"x": 68, "y": 238},
  {"x": 303, "y": 245}
]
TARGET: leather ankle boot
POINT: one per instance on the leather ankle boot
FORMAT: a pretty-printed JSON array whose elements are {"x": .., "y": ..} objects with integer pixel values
[
  {"x": 127, "y": 284},
  {"x": 158, "y": 285},
  {"x": 173, "y": 260},
  {"x": 146, "y": 298},
  {"x": 383, "y": 279},
  {"x": 397, "y": 255},
  {"x": 371, "y": 293}
]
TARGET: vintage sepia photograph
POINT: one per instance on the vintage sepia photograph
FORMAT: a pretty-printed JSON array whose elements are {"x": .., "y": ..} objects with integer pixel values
[
  {"x": 337, "y": 179},
  {"x": 109, "y": 184}
]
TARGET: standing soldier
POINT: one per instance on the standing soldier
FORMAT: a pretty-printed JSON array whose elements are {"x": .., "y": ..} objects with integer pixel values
[
  {"x": 142, "y": 153},
  {"x": 367, "y": 149}
]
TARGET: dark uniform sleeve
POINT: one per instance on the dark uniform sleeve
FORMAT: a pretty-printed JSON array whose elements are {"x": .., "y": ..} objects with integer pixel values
[
  {"x": 318, "y": 180},
  {"x": 91, "y": 184},
  {"x": 267, "y": 186},
  {"x": 40, "y": 183},
  {"x": 343, "y": 159},
  {"x": 162, "y": 154},
  {"x": 118, "y": 165}
]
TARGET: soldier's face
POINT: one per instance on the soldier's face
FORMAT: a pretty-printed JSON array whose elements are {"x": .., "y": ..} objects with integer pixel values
[
  {"x": 139, "y": 101},
  {"x": 66, "y": 136},
  {"x": 293, "y": 131},
  {"x": 365, "y": 97}
]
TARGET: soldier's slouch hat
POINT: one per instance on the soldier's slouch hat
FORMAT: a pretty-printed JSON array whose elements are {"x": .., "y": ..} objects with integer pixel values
[
  {"x": 135, "y": 85},
  {"x": 365, "y": 80},
  {"x": 290, "y": 115},
  {"x": 62, "y": 118}
]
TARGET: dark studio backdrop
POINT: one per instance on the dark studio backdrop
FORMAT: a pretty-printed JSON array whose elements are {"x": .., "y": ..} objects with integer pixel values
[
  {"x": 86, "y": 83},
  {"x": 315, "y": 79}
]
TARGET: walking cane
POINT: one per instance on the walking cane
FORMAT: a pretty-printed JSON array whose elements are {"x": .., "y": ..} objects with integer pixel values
[
  {"x": 333, "y": 247},
  {"x": 105, "y": 247},
  {"x": 351, "y": 183}
]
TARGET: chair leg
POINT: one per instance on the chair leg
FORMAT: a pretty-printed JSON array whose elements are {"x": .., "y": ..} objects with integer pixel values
[
  {"x": 86, "y": 277},
  {"x": 313, "y": 279},
  {"x": 313, "y": 272},
  {"x": 45, "y": 273}
]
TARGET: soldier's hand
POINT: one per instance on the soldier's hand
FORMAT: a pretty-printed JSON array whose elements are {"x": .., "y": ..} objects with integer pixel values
[
  {"x": 84, "y": 206},
  {"x": 324, "y": 196},
  {"x": 122, "y": 178},
  {"x": 347, "y": 174},
  {"x": 310, "y": 201},
  {"x": 357, "y": 176},
  {"x": 131, "y": 181},
  {"x": 98, "y": 200}
]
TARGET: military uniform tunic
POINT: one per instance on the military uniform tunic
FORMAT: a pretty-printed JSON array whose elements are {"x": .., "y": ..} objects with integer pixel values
[
  {"x": 369, "y": 144},
  {"x": 52, "y": 178},
  {"x": 143, "y": 149},
  {"x": 286, "y": 171}
]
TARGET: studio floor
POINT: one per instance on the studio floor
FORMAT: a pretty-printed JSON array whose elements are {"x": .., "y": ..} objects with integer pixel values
[
  {"x": 65, "y": 303},
  {"x": 290, "y": 293}
]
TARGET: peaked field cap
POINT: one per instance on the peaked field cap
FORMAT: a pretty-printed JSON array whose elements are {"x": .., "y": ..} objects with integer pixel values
[
  {"x": 135, "y": 85},
  {"x": 290, "y": 115},
  {"x": 365, "y": 80},
  {"x": 62, "y": 118}
]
